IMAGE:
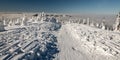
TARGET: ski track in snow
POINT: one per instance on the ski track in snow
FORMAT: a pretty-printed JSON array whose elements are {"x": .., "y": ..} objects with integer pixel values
[{"x": 67, "y": 46}]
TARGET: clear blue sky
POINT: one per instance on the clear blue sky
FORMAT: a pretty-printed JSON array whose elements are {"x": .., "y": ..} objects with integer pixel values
[{"x": 61, "y": 6}]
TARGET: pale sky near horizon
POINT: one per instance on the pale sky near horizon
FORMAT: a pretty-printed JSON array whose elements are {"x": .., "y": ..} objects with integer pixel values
[{"x": 61, "y": 6}]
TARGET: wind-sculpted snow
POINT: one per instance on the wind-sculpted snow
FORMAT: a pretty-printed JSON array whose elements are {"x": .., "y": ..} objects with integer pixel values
[{"x": 34, "y": 42}]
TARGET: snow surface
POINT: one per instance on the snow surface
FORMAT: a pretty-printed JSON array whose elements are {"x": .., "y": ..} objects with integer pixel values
[
  {"x": 49, "y": 40},
  {"x": 80, "y": 42}
]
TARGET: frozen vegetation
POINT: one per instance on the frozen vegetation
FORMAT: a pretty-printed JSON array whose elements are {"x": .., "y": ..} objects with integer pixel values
[
  {"x": 31, "y": 42},
  {"x": 58, "y": 37}
]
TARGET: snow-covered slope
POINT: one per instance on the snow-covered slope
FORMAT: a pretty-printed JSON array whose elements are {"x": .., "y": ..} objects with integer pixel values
[
  {"x": 44, "y": 38},
  {"x": 80, "y": 42}
]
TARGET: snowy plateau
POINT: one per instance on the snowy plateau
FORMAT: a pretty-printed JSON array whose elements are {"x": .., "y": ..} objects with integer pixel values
[{"x": 56, "y": 37}]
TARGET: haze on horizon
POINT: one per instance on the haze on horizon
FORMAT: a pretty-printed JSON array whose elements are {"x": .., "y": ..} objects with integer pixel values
[{"x": 61, "y": 6}]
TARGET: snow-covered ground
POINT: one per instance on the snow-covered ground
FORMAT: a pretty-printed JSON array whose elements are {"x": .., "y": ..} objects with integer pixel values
[
  {"x": 57, "y": 39},
  {"x": 80, "y": 42},
  {"x": 67, "y": 45}
]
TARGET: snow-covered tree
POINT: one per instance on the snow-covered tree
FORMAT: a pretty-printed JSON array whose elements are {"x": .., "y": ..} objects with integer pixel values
[{"x": 117, "y": 23}]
